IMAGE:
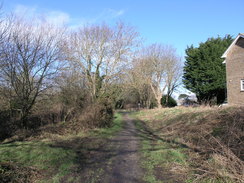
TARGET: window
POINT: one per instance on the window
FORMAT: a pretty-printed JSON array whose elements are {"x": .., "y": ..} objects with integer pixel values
[{"x": 242, "y": 84}]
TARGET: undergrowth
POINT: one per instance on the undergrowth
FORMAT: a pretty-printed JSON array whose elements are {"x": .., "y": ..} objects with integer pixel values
[{"x": 209, "y": 139}]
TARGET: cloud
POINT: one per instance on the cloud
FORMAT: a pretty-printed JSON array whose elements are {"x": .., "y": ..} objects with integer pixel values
[
  {"x": 109, "y": 14},
  {"x": 30, "y": 12},
  {"x": 26, "y": 11},
  {"x": 115, "y": 13},
  {"x": 60, "y": 17}
]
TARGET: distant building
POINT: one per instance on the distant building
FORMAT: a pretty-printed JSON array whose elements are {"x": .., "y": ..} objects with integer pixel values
[
  {"x": 234, "y": 60},
  {"x": 187, "y": 100}
]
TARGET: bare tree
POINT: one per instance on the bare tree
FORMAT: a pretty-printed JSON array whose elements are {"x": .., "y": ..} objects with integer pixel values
[
  {"x": 160, "y": 69},
  {"x": 101, "y": 52},
  {"x": 29, "y": 54},
  {"x": 173, "y": 72},
  {"x": 136, "y": 83},
  {"x": 4, "y": 30}
]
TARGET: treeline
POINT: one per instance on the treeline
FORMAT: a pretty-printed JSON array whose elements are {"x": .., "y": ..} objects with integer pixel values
[{"x": 51, "y": 74}]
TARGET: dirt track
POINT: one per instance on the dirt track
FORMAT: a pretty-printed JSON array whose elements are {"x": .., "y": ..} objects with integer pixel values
[
  {"x": 125, "y": 165},
  {"x": 116, "y": 161}
]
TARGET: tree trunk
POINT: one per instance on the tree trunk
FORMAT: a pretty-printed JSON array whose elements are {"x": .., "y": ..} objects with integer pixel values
[{"x": 159, "y": 102}]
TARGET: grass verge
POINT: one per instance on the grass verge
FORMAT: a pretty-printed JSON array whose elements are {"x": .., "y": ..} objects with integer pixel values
[
  {"x": 50, "y": 159},
  {"x": 158, "y": 156},
  {"x": 195, "y": 144}
]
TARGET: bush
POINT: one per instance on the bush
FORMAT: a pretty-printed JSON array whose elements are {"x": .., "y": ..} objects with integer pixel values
[
  {"x": 99, "y": 114},
  {"x": 105, "y": 113},
  {"x": 171, "y": 102}
]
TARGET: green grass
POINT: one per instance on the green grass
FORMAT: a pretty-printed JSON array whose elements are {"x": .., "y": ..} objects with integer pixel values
[
  {"x": 149, "y": 162},
  {"x": 158, "y": 154},
  {"x": 54, "y": 161},
  {"x": 110, "y": 131},
  {"x": 39, "y": 155}
]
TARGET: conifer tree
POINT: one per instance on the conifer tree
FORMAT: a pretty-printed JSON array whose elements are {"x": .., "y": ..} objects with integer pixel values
[{"x": 204, "y": 73}]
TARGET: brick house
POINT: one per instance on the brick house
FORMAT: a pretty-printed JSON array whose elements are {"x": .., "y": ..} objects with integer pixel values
[{"x": 234, "y": 60}]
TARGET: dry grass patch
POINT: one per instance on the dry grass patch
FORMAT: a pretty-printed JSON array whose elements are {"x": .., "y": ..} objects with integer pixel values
[{"x": 214, "y": 137}]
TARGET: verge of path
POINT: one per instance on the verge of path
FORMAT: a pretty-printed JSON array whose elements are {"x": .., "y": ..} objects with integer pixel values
[{"x": 114, "y": 160}]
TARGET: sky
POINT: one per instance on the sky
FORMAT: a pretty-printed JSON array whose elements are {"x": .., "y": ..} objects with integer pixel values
[{"x": 179, "y": 23}]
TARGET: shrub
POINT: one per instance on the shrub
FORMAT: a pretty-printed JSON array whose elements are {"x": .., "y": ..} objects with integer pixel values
[
  {"x": 171, "y": 102},
  {"x": 5, "y": 130},
  {"x": 98, "y": 114}
]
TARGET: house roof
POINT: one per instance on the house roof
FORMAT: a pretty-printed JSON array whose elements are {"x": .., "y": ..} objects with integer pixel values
[{"x": 241, "y": 35}]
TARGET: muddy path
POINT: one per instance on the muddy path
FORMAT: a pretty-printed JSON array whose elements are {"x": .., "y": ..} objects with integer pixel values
[
  {"x": 125, "y": 167},
  {"x": 113, "y": 160}
]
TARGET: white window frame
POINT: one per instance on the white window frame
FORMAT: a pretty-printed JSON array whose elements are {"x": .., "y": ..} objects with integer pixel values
[{"x": 242, "y": 84}]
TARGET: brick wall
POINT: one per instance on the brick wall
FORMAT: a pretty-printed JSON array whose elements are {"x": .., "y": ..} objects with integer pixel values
[{"x": 235, "y": 72}]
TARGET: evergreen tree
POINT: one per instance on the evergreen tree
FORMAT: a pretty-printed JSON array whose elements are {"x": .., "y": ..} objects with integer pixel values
[
  {"x": 168, "y": 101},
  {"x": 204, "y": 73}
]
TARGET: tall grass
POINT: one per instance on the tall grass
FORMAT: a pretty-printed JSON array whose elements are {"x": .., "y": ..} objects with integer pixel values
[{"x": 213, "y": 137}]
